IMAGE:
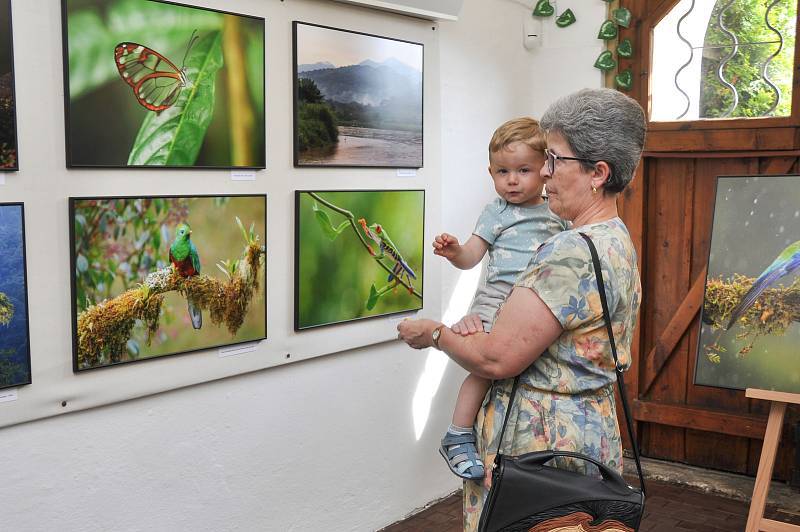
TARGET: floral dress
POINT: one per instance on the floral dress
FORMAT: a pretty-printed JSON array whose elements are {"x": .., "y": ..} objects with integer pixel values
[{"x": 565, "y": 399}]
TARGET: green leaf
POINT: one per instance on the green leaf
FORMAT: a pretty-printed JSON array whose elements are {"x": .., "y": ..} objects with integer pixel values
[
  {"x": 373, "y": 298},
  {"x": 241, "y": 228},
  {"x": 82, "y": 264},
  {"x": 326, "y": 224},
  {"x": 174, "y": 136},
  {"x": 164, "y": 28}
]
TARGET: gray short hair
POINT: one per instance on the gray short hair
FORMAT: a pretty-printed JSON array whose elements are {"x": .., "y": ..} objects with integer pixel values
[{"x": 601, "y": 125}]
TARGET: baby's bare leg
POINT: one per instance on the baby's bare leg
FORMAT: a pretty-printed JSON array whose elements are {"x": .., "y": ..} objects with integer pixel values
[{"x": 470, "y": 398}]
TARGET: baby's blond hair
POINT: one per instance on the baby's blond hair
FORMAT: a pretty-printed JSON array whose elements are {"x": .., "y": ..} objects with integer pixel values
[{"x": 523, "y": 129}]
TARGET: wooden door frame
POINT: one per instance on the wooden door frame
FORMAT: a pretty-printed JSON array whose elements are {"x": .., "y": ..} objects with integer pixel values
[{"x": 775, "y": 138}]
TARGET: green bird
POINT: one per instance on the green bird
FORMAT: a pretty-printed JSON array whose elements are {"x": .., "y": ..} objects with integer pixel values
[{"x": 183, "y": 255}]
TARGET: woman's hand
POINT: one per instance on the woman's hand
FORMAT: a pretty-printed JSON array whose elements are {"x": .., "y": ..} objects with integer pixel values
[
  {"x": 417, "y": 333},
  {"x": 469, "y": 324}
]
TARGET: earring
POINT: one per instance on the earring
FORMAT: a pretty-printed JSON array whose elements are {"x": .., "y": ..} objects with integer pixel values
[{"x": 594, "y": 190}]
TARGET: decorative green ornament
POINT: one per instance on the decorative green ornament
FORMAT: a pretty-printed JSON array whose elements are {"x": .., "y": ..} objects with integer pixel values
[
  {"x": 608, "y": 30},
  {"x": 625, "y": 48},
  {"x": 624, "y": 80},
  {"x": 605, "y": 61},
  {"x": 543, "y": 9},
  {"x": 566, "y": 18},
  {"x": 622, "y": 16}
]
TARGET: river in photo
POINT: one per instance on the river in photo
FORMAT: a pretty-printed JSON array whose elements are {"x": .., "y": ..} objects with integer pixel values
[{"x": 361, "y": 146}]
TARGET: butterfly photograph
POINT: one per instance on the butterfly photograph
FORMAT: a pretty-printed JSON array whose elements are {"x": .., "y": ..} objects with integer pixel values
[{"x": 151, "y": 83}]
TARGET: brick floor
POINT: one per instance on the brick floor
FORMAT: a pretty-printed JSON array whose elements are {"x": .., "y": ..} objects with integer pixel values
[{"x": 669, "y": 508}]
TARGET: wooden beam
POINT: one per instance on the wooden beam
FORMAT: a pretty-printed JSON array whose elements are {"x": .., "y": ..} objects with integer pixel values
[
  {"x": 716, "y": 140},
  {"x": 780, "y": 164},
  {"x": 745, "y": 425},
  {"x": 665, "y": 345},
  {"x": 724, "y": 155}
]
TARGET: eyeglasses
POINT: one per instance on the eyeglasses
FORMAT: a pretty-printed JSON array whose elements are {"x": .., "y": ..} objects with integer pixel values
[{"x": 552, "y": 158}]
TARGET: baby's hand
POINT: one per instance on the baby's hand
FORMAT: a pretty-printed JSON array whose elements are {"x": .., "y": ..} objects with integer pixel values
[{"x": 446, "y": 246}]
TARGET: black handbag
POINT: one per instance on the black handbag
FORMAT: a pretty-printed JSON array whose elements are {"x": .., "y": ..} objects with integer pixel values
[{"x": 529, "y": 495}]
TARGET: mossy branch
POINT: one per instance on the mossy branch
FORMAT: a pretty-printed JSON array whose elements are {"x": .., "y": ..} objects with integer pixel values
[
  {"x": 6, "y": 309},
  {"x": 105, "y": 328},
  {"x": 352, "y": 221},
  {"x": 771, "y": 314}
]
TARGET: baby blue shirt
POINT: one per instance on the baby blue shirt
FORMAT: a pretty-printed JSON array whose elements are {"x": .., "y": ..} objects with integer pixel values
[{"x": 513, "y": 233}]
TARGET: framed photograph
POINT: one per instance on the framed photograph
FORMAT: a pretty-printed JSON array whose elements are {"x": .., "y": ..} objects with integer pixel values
[
  {"x": 347, "y": 266},
  {"x": 150, "y": 83},
  {"x": 749, "y": 333},
  {"x": 8, "y": 109},
  {"x": 15, "y": 351},
  {"x": 161, "y": 275},
  {"x": 357, "y": 99}
]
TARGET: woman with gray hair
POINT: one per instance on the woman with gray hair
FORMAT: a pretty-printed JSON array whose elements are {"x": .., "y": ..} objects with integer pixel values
[{"x": 551, "y": 331}]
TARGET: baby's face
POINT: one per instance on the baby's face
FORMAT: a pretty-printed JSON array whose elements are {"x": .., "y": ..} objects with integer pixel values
[{"x": 515, "y": 172}]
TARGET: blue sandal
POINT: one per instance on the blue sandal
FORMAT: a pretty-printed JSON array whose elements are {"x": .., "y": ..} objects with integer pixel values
[{"x": 459, "y": 451}]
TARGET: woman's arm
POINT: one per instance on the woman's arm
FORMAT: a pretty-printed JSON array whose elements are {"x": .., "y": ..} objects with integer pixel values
[{"x": 524, "y": 329}]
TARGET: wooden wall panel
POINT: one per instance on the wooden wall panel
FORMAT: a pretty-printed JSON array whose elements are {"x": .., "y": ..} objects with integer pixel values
[
  {"x": 666, "y": 283},
  {"x": 703, "y": 447},
  {"x": 669, "y": 212}
]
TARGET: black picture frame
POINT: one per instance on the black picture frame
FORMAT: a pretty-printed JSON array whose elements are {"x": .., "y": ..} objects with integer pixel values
[
  {"x": 298, "y": 231},
  {"x": 259, "y": 145},
  {"x": 24, "y": 297},
  {"x": 298, "y": 162},
  {"x": 208, "y": 266},
  {"x": 738, "y": 241},
  {"x": 5, "y": 91}
]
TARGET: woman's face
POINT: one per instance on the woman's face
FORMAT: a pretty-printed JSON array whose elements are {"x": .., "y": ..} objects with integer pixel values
[{"x": 569, "y": 187}]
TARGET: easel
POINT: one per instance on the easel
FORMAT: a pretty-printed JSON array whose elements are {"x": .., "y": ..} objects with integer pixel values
[{"x": 772, "y": 437}]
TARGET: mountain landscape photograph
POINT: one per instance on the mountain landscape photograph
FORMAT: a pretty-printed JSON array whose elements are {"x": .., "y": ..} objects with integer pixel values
[{"x": 358, "y": 99}]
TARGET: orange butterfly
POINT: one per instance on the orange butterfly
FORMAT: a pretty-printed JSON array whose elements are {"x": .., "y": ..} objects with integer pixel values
[{"x": 155, "y": 80}]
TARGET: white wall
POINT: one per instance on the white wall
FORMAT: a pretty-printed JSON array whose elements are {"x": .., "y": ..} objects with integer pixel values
[
  {"x": 488, "y": 77},
  {"x": 343, "y": 442}
]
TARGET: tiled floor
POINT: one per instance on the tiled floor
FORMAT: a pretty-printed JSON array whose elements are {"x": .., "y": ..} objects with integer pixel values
[{"x": 669, "y": 508}]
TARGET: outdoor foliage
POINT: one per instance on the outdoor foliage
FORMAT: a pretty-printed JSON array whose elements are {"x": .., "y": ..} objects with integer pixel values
[
  {"x": 130, "y": 303},
  {"x": 338, "y": 278},
  {"x": 218, "y": 119},
  {"x": 317, "y": 127},
  {"x": 745, "y": 19}
]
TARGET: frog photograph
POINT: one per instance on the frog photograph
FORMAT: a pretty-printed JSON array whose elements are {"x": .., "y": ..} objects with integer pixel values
[
  {"x": 154, "y": 84},
  {"x": 358, "y": 254},
  {"x": 162, "y": 275}
]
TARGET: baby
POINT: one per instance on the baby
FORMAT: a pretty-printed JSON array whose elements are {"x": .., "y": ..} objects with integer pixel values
[{"x": 510, "y": 228}]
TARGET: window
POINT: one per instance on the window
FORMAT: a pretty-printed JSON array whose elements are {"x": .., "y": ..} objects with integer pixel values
[{"x": 724, "y": 59}]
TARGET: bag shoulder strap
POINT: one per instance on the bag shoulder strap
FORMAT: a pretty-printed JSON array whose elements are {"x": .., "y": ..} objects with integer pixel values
[
  {"x": 620, "y": 377},
  {"x": 618, "y": 367}
]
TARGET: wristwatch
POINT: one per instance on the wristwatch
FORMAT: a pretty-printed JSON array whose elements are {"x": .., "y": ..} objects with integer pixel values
[{"x": 437, "y": 332}]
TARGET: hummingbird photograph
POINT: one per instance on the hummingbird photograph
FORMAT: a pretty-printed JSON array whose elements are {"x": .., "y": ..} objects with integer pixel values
[{"x": 748, "y": 335}]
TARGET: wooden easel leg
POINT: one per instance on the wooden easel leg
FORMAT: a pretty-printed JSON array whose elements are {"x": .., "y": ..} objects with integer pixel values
[{"x": 772, "y": 438}]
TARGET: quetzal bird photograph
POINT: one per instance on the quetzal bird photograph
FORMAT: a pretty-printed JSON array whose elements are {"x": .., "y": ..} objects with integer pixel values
[{"x": 163, "y": 275}]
